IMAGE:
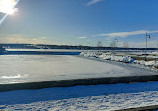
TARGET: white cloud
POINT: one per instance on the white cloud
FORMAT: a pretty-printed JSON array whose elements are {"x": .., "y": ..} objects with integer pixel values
[
  {"x": 43, "y": 38},
  {"x": 22, "y": 39},
  {"x": 126, "y": 34},
  {"x": 82, "y": 37},
  {"x": 93, "y": 2}
]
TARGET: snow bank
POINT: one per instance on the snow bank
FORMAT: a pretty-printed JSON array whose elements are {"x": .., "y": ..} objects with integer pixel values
[
  {"x": 156, "y": 52},
  {"x": 141, "y": 62},
  {"x": 124, "y": 59},
  {"x": 147, "y": 63},
  {"x": 90, "y": 54},
  {"x": 82, "y": 98},
  {"x": 105, "y": 56},
  {"x": 150, "y": 63}
]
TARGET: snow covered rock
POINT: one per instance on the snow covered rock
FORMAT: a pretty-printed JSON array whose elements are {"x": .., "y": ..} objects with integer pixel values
[
  {"x": 150, "y": 63},
  {"x": 105, "y": 56},
  {"x": 89, "y": 54},
  {"x": 141, "y": 62}
]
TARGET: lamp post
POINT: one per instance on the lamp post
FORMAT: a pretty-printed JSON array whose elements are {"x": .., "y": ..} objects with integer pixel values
[
  {"x": 147, "y": 36},
  {"x": 115, "y": 42}
]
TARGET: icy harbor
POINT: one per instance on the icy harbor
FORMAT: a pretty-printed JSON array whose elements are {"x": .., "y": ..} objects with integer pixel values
[{"x": 36, "y": 68}]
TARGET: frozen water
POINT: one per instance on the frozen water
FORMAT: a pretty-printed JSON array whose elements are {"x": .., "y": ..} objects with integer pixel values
[
  {"x": 26, "y": 68},
  {"x": 33, "y": 68}
]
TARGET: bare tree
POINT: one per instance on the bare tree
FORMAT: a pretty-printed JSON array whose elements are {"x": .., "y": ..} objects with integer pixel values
[
  {"x": 125, "y": 45},
  {"x": 113, "y": 43},
  {"x": 99, "y": 44}
]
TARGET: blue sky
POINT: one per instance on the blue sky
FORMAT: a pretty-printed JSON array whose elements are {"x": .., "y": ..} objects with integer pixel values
[{"x": 82, "y": 22}]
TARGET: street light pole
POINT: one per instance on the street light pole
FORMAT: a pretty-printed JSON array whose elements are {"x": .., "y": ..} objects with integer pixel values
[
  {"x": 115, "y": 41},
  {"x": 146, "y": 45}
]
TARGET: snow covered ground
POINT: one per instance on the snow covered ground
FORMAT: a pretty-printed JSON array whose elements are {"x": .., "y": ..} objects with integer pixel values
[
  {"x": 82, "y": 98},
  {"x": 32, "y": 68},
  {"x": 153, "y": 65}
]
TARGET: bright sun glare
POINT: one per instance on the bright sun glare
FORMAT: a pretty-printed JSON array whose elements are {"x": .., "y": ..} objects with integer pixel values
[{"x": 7, "y": 6}]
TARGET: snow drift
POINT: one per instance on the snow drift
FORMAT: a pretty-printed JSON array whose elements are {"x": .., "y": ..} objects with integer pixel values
[{"x": 124, "y": 59}]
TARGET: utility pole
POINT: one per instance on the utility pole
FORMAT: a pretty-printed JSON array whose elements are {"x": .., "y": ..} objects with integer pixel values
[{"x": 147, "y": 36}]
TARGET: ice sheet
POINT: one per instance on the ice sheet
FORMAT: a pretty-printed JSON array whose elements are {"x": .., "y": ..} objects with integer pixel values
[{"x": 31, "y": 68}]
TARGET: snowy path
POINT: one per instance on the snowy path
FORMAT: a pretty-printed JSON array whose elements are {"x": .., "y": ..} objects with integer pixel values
[{"x": 92, "y": 98}]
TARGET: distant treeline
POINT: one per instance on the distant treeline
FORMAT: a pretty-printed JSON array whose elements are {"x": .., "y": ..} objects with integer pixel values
[{"x": 80, "y": 47}]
